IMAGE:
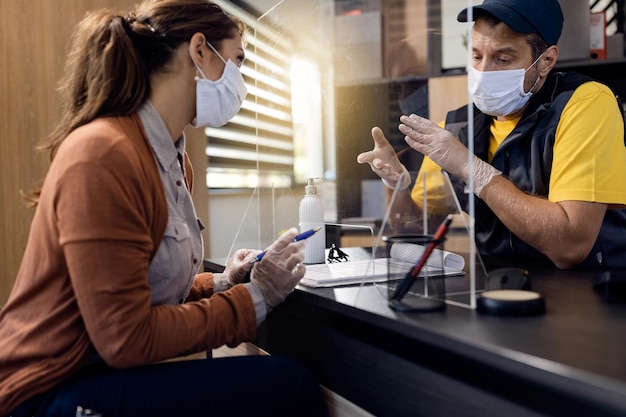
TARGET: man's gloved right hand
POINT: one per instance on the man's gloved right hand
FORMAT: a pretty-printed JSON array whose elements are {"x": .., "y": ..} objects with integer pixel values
[
  {"x": 280, "y": 270},
  {"x": 384, "y": 162}
]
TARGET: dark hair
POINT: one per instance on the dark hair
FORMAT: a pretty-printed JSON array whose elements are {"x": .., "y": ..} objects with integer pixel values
[
  {"x": 112, "y": 57},
  {"x": 534, "y": 40},
  {"x": 537, "y": 44}
]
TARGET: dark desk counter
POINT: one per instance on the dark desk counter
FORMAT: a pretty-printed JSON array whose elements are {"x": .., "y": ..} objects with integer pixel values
[{"x": 569, "y": 362}]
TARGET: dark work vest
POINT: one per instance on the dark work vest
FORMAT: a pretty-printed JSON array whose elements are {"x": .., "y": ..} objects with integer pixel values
[{"x": 525, "y": 157}]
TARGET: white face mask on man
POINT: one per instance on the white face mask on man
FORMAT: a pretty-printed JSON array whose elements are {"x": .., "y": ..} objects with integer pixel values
[
  {"x": 217, "y": 102},
  {"x": 499, "y": 93}
]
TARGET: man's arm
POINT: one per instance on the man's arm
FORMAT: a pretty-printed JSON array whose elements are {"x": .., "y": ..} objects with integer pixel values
[{"x": 564, "y": 232}]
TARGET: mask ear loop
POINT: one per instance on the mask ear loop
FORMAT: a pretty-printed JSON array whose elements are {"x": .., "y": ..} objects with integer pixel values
[
  {"x": 536, "y": 60},
  {"x": 196, "y": 65},
  {"x": 216, "y": 53},
  {"x": 534, "y": 85},
  {"x": 538, "y": 77}
]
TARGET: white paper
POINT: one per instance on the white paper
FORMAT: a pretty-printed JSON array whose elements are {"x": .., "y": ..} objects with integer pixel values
[{"x": 403, "y": 257}]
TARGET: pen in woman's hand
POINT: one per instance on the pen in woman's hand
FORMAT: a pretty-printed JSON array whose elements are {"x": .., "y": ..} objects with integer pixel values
[{"x": 301, "y": 236}]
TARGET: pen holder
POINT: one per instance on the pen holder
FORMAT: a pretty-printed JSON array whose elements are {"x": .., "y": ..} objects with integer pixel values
[{"x": 406, "y": 291}]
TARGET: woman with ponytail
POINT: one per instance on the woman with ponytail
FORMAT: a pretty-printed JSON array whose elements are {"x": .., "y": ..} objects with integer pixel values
[{"x": 109, "y": 286}]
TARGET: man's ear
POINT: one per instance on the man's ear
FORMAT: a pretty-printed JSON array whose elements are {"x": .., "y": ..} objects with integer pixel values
[{"x": 548, "y": 60}]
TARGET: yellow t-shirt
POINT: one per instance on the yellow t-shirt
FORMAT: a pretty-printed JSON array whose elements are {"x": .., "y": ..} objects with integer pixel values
[{"x": 589, "y": 161}]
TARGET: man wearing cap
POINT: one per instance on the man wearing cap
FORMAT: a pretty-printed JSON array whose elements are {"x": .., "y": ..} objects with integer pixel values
[{"x": 549, "y": 164}]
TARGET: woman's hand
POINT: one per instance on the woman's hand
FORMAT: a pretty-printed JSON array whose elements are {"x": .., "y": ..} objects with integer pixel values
[
  {"x": 280, "y": 270},
  {"x": 238, "y": 266}
]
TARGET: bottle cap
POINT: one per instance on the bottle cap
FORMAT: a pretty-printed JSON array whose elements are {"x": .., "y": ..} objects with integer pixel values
[{"x": 310, "y": 188}]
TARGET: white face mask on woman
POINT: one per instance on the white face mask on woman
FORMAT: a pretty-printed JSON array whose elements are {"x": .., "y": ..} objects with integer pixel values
[
  {"x": 217, "y": 102},
  {"x": 499, "y": 93}
]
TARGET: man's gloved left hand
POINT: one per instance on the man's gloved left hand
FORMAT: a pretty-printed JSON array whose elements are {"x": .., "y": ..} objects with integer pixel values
[{"x": 443, "y": 148}]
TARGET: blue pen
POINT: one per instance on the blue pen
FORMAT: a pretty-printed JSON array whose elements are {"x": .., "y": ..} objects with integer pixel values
[{"x": 301, "y": 236}]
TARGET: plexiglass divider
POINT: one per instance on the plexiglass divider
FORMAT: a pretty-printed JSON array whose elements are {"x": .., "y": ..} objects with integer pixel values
[
  {"x": 433, "y": 199},
  {"x": 271, "y": 209}
]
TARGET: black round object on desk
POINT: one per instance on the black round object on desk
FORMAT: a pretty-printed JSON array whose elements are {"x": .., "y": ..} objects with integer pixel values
[{"x": 510, "y": 303}]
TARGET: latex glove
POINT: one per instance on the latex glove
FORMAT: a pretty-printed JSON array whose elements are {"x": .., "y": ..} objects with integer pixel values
[
  {"x": 384, "y": 162},
  {"x": 280, "y": 270},
  {"x": 238, "y": 266},
  {"x": 446, "y": 150}
]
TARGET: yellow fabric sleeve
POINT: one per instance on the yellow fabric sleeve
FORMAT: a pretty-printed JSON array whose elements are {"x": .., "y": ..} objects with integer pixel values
[{"x": 589, "y": 154}]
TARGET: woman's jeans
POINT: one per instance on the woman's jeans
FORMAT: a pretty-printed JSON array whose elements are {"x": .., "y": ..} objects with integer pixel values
[{"x": 234, "y": 386}]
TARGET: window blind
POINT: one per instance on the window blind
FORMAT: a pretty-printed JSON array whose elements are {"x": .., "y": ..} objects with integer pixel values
[{"x": 256, "y": 147}]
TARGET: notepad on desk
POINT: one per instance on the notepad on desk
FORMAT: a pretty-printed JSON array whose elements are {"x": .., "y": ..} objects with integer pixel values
[{"x": 402, "y": 258}]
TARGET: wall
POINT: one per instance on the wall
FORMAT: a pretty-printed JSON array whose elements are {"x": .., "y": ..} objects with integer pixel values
[
  {"x": 445, "y": 94},
  {"x": 33, "y": 38}
]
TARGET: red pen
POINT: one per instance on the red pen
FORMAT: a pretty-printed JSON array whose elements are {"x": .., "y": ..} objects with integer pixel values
[{"x": 406, "y": 283}]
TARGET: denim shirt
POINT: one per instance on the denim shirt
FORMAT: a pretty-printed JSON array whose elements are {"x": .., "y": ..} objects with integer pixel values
[{"x": 179, "y": 256}]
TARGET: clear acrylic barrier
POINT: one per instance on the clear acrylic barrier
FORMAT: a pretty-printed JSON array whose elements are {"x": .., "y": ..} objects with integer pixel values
[
  {"x": 432, "y": 200},
  {"x": 269, "y": 212},
  {"x": 366, "y": 79},
  {"x": 272, "y": 206}
]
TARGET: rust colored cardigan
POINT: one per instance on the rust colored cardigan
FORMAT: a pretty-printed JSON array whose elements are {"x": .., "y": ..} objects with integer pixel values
[{"x": 82, "y": 287}]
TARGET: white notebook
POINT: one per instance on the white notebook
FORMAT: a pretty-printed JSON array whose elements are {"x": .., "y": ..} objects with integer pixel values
[{"x": 402, "y": 257}]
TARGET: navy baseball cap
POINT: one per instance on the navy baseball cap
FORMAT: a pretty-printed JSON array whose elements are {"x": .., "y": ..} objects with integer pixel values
[{"x": 544, "y": 17}]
